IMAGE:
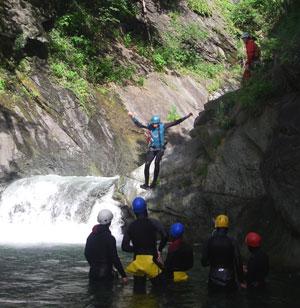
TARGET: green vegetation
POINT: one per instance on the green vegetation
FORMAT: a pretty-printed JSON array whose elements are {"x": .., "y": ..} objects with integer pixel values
[
  {"x": 257, "y": 16},
  {"x": 140, "y": 81},
  {"x": 2, "y": 85},
  {"x": 84, "y": 50},
  {"x": 222, "y": 116},
  {"x": 200, "y": 7},
  {"x": 79, "y": 45},
  {"x": 172, "y": 114}
]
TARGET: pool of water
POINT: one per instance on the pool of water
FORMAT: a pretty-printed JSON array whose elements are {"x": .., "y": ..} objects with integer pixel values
[{"x": 57, "y": 277}]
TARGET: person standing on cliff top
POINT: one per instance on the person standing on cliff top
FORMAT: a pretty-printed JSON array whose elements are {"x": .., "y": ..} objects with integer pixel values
[
  {"x": 156, "y": 144},
  {"x": 252, "y": 53}
]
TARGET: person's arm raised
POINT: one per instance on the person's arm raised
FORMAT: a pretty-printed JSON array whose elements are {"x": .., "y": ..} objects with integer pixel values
[
  {"x": 176, "y": 122},
  {"x": 136, "y": 121}
]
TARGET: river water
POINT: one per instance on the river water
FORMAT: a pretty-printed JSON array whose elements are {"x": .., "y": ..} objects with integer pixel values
[
  {"x": 56, "y": 276},
  {"x": 44, "y": 222}
]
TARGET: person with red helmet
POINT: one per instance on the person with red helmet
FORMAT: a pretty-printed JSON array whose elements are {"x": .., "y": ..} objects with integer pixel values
[{"x": 258, "y": 264}]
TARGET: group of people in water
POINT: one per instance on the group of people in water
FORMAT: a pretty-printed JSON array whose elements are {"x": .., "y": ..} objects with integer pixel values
[{"x": 220, "y": 252}]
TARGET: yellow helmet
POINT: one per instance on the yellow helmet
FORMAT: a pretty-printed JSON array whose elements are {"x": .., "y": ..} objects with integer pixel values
[{"x": 221, "y": 221}]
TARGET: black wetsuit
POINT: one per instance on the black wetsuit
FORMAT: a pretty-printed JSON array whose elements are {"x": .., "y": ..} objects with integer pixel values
[
  {"x": 143, "y": 234},
  {"x": 101, "y": 254},
  {"x": 257, "y": 268},
  {"x": 153, "y": 152},
  {"x": 221, "y": 253},
  {"x": 179, "y": 258}
]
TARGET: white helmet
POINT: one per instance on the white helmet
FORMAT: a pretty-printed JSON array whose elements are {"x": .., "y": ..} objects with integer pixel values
[{"x": 105, "y": 217}]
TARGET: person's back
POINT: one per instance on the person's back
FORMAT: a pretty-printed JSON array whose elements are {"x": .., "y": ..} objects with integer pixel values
[
  {"x": 142, "y": 233},
  {"x": 180, "y": 259},
  {"x": 220, "y": 250},
  {"x": 180, "y": 255},
  {"x": 100, "y": 250},
  {"x": 221, "y": 253},
  {"x": 258, "y": 263},
  {"x": 97, "y": 244},
  {"x": 140, "y": 238}
]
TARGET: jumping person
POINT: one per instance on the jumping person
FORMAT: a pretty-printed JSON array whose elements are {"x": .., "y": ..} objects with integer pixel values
[
  {"x": 101, "y": 252},
  {"x": 258, "y": 264},
  {"x": 221, "y": 253},
  {"x": 142, "y": 233},
  {"x": 180, "y": 255},
  {"x": 156, "y": 143}
]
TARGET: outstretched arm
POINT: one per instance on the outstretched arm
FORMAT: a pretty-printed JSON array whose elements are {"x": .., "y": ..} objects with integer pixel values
[
  {"x": 136, "y": 121},
  {"x": 170, "y": 124}
]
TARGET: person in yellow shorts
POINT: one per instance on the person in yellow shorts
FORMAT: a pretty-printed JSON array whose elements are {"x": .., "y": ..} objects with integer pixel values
[
  {"x": 142, "y": 233},
  {"x": 180, "y": 255}
]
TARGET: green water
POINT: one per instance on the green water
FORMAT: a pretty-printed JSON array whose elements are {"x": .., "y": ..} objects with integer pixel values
[{"x": 57, "y": 277}]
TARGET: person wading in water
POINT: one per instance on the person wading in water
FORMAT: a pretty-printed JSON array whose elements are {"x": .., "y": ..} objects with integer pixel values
[{"x": 221, "y": 253}]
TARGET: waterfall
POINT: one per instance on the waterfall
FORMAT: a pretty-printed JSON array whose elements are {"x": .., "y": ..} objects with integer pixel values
[{"x": 55, "y": 209}]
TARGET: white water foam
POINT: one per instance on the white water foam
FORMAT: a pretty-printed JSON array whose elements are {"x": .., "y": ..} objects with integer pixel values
[{"x": 56, "y": 210}]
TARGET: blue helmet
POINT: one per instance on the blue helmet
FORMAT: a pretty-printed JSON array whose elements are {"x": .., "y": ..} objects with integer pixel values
[
  {"x": 177, "y": 230},
  {"x": 155, "y": 119},
  {"x": 139, "y": 205}
]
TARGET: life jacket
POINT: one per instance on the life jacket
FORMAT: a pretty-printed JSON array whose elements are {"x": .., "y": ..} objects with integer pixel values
[
  {"x": 253, "y": 51},
  {"x": 157, "y": 137},
  {"x": 180, "y": 276},
  {"x": 143, "y": 265}
]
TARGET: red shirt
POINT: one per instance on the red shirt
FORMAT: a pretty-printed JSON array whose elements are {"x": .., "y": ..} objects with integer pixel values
[{"x": 251, "y": 50}]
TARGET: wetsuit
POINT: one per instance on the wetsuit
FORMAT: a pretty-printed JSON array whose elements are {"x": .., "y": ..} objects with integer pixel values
[
  {"x": 257, "y": 268},
  {"x": 179, "y": 258},
  {"x": 143, "y": 234},
  {"x": 101, "y": 254},
  {"x": 156, "y": 152},
  {"x": 221, "y": 253}
]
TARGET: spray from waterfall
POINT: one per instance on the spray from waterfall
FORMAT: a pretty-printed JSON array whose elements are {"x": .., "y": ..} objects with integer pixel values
[{"x": 54, "y": 209}]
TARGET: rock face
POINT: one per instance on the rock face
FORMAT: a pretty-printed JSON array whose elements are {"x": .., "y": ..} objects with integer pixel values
[
  {"x": 45, "y": 130},
  {"x": 48, "y": 131},
  {"x": 250, "y": 172},
  {"x": 23, "y": 26}
]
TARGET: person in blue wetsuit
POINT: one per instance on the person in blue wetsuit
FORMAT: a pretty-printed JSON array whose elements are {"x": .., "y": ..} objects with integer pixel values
[{"x": 156, "y": 143}]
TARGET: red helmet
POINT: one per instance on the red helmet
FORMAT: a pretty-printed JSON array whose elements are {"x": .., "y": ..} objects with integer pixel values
[{"x": 253, "y": 239}]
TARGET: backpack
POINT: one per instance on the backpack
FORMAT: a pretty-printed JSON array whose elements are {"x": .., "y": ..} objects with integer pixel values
[{"x": 156, "y": 137}]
